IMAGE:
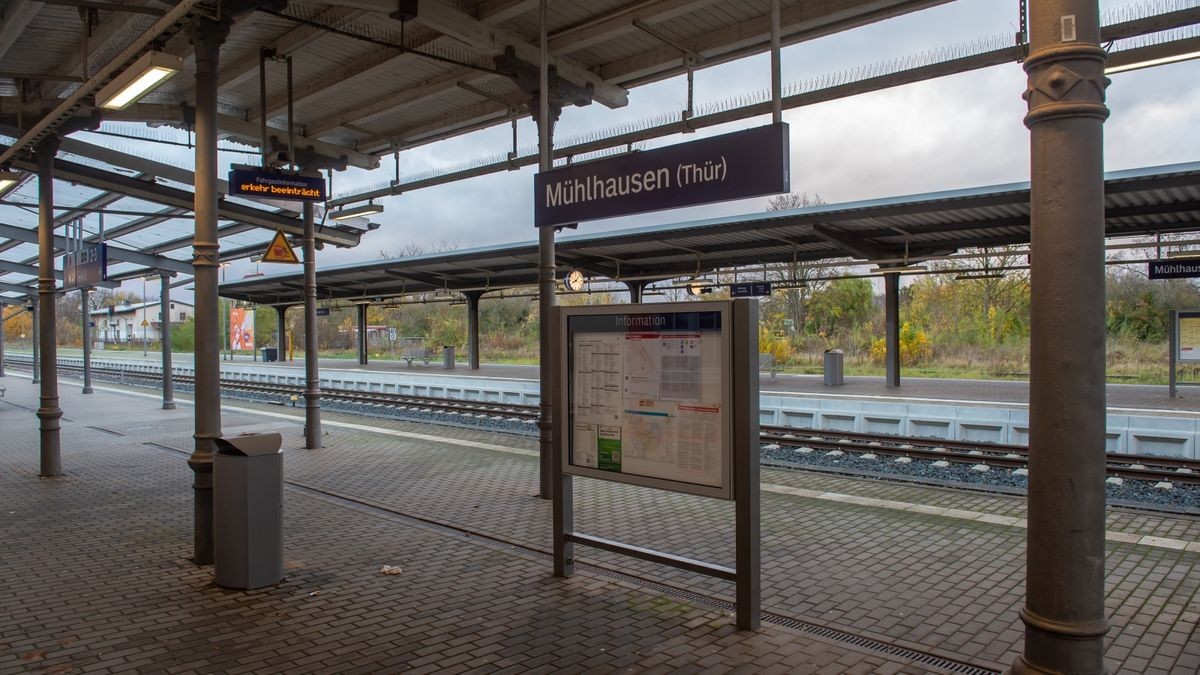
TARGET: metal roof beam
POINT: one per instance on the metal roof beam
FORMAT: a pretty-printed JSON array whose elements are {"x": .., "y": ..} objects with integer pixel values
[
  {"x": 802, "y": 21},
  {"x": 291, "y": 41},
  {"x": 114, "y": 252},
  {"x": 4, "y": 300},
  {"x": 169, "y": 196},
  {"x": 493, "y": 40},
  {"x": 15, "y": 288},
  {"x": 13, "y": 20},
  {"x": 23, "y": 268},
  {"x": 621, "y": 22},
  {"x": 240, "y": 130},
  {"x": 857, "y": 246},
  {"x": 408, "y": 97},
  {"x": 223, "y": 230}
]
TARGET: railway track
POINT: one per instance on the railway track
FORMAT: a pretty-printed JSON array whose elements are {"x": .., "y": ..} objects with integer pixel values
[{"x": 803, "y": 441}]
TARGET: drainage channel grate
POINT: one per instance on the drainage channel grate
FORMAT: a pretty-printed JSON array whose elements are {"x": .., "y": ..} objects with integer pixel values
[
  {"x": 107, "y": 431},
  {"x": 367, "y": 506}
]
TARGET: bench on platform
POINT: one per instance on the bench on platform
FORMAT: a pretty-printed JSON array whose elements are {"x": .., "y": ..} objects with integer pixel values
[
  {"x": 766, "y": 362},
  {"x": 416, "y": 353}
]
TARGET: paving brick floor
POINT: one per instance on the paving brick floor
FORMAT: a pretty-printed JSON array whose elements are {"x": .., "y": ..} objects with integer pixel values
[
  {"x": 928, "y": 582},
  {"x": 96, "y": 578}
]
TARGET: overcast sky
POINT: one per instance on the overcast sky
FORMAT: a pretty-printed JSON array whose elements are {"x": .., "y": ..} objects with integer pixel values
[{"x": 953, "y": 132}]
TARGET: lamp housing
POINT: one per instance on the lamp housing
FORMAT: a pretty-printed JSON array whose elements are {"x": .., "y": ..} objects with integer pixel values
[
  {"x": 368, "y": 209},
  {"x": 139, "y": 79}
]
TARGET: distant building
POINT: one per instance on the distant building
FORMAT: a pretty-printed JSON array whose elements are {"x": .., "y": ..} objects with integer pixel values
[{"x": 124, "y": 323}]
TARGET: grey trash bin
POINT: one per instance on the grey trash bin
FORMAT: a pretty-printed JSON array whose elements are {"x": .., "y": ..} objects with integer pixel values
[
  {"x": 270, "y": 354},
  {"x": 448, "y": 357},
  {"x": 834, "y": 366},
  {"x": 248, "y": 511}
]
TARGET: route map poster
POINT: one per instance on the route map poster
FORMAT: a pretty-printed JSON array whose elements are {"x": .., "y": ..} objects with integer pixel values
[{"x": 647, "y": 396}]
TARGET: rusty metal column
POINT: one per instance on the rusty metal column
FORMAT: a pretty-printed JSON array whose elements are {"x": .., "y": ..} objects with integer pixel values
[
  {"x": 473, "y": 298},
  {"x": 312, "y": 374},
  {"x": 1064, "y": 602},
  {"x": 85, "y": 301},
  {"x": 281, "y": 334},
  {"x": 206, "y": 36},
  {"x": 362, "y": 334},
  {"x": 891, "y": 327},
  {"x": 48, "y": 411},
  {"x": 546, "y": 290},
  {"x": 164, "y": 302}
]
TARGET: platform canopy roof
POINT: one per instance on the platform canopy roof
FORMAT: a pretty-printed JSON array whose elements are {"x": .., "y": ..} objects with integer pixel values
[
  {"x": 375, "y": 77},
  {"x": 888, "y": 232}
]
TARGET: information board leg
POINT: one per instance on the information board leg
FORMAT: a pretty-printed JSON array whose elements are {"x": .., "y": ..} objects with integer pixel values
[
  {"x": 1172, "y": 349},
  {"x": 564, "y": 522},
  {"x": 745, "y": 468}
]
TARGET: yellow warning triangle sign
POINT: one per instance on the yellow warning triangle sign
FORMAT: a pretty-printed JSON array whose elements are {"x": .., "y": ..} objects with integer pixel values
[{"x": 279, "y": 251}]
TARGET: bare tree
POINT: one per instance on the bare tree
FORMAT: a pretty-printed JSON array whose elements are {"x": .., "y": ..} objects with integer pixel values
[{"x": 801, "y": 280}]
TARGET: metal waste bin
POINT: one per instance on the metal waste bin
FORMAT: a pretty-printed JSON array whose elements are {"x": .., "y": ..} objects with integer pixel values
[
  {"x": 248, "y": 511},
  {"x": 448, "y": 357},
  {"x": 834, "y": 366},
  {"x": 270, "y": 354}
]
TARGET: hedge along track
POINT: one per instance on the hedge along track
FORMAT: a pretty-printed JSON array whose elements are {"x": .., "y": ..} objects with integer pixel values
[{"x": 1148, "y": 468}]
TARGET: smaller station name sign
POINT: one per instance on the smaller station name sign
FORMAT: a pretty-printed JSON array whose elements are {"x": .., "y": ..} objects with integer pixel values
[
  {"x": 255, "y": 182},
  {"x": 1175, "y": 269},
  {"x": 739, "y": 165}
]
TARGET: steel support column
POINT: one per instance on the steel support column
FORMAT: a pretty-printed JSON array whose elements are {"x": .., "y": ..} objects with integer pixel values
[
  {"x": 545, "y": 119},
  {"x": 2, "y": 308},
  {"x": 206, "y": 36},
  {"x": 473, "y": 299},
  {"x": 312, "y": 374},
  {"x": 891, "y": 327},
  {"x": 281, "y": 333},
  {"x": 635, "y": 291},
  {"x": 1064, "y": 603},
  {"x": 85, "y": 300},
  {"x": 362, "y": 334},
  {"x": 48, "y": 411},
  {"x": 164, "y": 302}
]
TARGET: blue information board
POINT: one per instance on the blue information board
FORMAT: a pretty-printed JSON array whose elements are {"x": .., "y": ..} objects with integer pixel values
[
  {"x": 750, "y": 289},
  {"x": 86, "y": 267}
]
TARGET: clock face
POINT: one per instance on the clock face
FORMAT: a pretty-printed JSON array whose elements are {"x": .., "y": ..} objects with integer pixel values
[{"x": 574, "y": 280}]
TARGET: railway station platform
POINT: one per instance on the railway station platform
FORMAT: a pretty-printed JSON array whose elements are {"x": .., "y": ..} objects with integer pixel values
[{"x": 858, "y": 576}]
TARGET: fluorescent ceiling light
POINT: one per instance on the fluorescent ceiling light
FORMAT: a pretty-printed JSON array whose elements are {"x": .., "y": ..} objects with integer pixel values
[
  {"x": 151, "y": 70},
  {"x": 9, "y": 180},
  {"x": 1149, "y": 63},
  {"x": 1183, "y": 254},
  {"x": 368, "y": 209}
]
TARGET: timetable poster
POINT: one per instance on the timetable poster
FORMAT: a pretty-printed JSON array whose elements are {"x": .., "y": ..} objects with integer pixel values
[
  {"x": 647, "y": 397},
  {"x": 1189, "y": 337}
]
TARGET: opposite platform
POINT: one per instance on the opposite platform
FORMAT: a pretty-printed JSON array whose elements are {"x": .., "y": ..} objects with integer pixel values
[{"x": 890, "y": 567}]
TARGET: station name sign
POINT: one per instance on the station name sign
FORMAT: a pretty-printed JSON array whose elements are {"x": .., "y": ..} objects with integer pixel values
[
  {"x": 256, "y": 182},
  {"x": 739, "y": 165},
  {"x": 86, "y": 267},
  {"x": 1174, "y": 269}
]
